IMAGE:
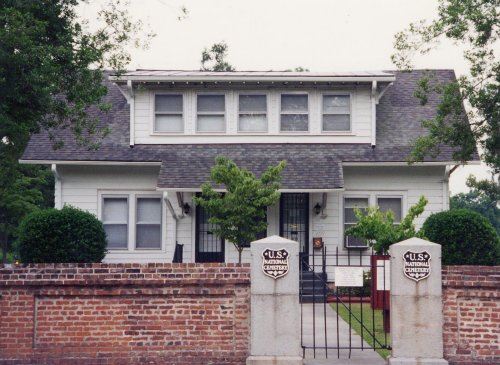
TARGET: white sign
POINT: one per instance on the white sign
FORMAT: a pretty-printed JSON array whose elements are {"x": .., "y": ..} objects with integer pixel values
[
  {"x": 383, "y": 275},
  {"x": 275, "y": 262},
  {"x": 348, "y": 276}
]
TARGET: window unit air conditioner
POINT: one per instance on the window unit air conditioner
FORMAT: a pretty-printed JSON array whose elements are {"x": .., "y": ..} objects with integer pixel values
[{"x": 353, "y": 242}]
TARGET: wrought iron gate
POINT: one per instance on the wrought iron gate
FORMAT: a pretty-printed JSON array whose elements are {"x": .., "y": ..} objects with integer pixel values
[{"x": 338, "y": 320}]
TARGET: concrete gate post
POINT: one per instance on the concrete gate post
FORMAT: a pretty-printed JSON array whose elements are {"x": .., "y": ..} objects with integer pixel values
[
  {"x": 275, "y": 307},
  {"x": 416, "y": 303}
]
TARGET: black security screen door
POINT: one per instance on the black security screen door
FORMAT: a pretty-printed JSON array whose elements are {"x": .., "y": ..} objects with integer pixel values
[
  {"x": 209, "y": 247},
  {"x": 294, "y": 219}
]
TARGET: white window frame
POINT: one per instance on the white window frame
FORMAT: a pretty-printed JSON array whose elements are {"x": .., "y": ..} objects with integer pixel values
[
  {"x": 153, "y": 112},
  {"x": 261, "y": 93},
  {"x": 132, "y": 195},
  {"x": 308, "y": 113},
  {"x": 101, "y": 217},
  {"x": 372, "y": 201},
  {"x": 351, "y": 101},
  {"x": 142, "y": 196},
  {"x": 214, "y": 93}
]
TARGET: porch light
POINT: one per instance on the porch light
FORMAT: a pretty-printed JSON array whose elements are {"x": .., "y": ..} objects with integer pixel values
[
  {"x": 317, "y": 208},
  {"x": 186, "y": 209}
]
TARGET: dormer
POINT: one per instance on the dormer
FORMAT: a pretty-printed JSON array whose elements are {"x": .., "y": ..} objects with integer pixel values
[{"x": 189, "y": 107}]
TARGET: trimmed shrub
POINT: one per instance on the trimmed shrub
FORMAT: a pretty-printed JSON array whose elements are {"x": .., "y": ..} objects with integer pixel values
[
  {"x": 66, "y": 235},
  {"x": 467, "y": 238}
]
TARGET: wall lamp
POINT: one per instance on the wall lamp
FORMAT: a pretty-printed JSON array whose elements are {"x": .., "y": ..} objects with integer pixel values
[
  {"x": 186, "y": 208},
  {"x": 317, "y": 208}
]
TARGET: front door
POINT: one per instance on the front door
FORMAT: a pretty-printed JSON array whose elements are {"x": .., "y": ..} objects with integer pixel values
[
  {"x": 209, "y": 247},
  {"x": 294, "y": 220}
]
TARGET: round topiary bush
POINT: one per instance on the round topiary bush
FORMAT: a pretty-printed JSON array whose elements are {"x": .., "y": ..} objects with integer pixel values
[
  {"x": 66, "y": 235},
  {"x": 467, "y": 238}
]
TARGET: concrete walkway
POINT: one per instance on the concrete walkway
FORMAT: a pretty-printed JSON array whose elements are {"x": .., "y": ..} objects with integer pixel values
[{"x": 358, "y": 357}]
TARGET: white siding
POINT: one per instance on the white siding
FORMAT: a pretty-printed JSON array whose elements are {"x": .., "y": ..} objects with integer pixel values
[{"x": 361, "y": 119}]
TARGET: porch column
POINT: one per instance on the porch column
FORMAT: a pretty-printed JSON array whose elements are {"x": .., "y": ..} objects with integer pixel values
[
  {"x": 416, "y": 303},
  {"x": 275, "y": 307}
]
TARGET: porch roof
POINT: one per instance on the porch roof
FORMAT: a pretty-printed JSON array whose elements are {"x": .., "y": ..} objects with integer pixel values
[{"x": 301, "y": 173}]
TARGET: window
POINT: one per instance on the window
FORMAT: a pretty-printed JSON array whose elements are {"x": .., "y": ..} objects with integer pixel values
[
  {"x": 350, "y": 219},
  {"x": 211, "y": 111},
  {"x": 148, "y": 223},
  {"x": 252, "y": 113},
  {"x": 168, "y": 114},
  {"x": 294, "y": 113},
  {"x": 115, "y": 221},
  {"x": 336, "y": 113},
  {"x": 393, "y": 204}
]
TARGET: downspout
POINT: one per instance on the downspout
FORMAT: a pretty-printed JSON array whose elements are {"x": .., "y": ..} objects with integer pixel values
[
  {"x": 446, "y": 184},
  {"x": 131, "y": 102},
  {"x": 57, "y": 187},
  {"x": 374, "y": 113},
  {"x": 172, "y": 212}
]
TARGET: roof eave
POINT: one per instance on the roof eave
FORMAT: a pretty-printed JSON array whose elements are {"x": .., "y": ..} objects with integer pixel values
[{"x": 213, "y": 78}]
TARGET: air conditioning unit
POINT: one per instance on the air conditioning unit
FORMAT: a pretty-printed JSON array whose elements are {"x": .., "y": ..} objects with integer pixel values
[{"x": 354, "y": 242}]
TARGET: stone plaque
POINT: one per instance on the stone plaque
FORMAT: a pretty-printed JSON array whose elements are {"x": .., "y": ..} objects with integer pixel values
[
  {"x": 275, "y": 262},
  {"x": 348, "y": 276},
  {"x": 417, "y": 265}
]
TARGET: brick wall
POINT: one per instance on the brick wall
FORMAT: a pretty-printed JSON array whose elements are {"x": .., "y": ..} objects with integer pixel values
[
  {"x": 125, "y": 314},
  {"x": 471, "y": 299}
]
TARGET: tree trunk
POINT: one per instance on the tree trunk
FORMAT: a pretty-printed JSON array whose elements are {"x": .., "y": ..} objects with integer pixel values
[
  {"x": 240, "y": 250},
  {"x": 5, "y": 246}
]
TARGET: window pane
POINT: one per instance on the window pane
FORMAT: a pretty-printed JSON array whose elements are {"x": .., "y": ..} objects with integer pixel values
[
  {"x": 293, "y": 103},
  {"x": 148, "y": 236},
  {"x": 294, "y": 122},
  {"x": 394, "y": 204},
  {"x": 210, "y": 123},
  {"x": 117, "y": 235},
  {"x": 168, "y": 123},
  {"x": 115, "y": 210},
  {"x": 148, "y": 210},
  {"x": 336, "y": 104},
  {"x": 168, "y": 103},
  {"x": 336, "y": 122},
  {"x": 211, "y": 103},
  {"x": 356, "y": 202},
  {"x": 253, "y": 103},
  {"x": 252, "y": 123}
]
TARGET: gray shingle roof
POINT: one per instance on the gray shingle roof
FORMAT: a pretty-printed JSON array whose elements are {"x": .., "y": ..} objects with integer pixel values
[{"x": 398, "y": 124}]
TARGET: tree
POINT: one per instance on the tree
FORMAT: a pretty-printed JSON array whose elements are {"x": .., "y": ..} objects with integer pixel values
[
  {"x": 475, "y": 26},
  {"x": 483, "y": 198},
  {"x": 239, "y": 214},
  {"x": 51, "y": 71},
  {"x": 377, "y": 228},
  {"x": 214, "y": 58}
]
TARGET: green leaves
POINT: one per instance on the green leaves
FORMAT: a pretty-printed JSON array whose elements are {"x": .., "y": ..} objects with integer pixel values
[
  {"x": 377, "y": 228},
  {"x": 214, "y": 58},
  {"x": 238, "y": 214},
  {"x": 473, "y": 25}
]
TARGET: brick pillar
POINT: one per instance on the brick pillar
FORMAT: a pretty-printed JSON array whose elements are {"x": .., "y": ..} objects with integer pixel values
[
  {"x": 275, "y": 307},
  {"x": 416, "y": 303}
]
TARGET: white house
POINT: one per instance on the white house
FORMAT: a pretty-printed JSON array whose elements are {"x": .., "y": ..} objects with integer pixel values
[{"x": 345, "y": 136}]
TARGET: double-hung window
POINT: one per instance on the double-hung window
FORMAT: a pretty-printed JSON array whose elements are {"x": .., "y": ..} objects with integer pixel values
[
  {"x": 168, "y": 113},
  {"x": 148, "y": 223},
  {"x": 336, "y": 113},
  {"x": 393, "y": 204},
  {"x": 252, "y": 113},
  {"x": 294, "y": 113},
  {"x": 115, "y": 221},
  {"x": 350, "y": 219},
  {"x": 211, "y": 113}
]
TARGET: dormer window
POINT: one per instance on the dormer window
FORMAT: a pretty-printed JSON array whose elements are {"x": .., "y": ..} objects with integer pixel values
[
  {"x": 336, "y": 113},
  {"x": 168, "y": 113},
  {"x": 252, "y": 113},
  {"x": 294, "y": 113},
  {"x": 211, "y": 113}
]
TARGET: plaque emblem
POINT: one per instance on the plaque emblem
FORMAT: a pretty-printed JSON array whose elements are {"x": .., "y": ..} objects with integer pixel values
[
  {"x": 417, "y": 265},
  {"x": 275, "y": 262}
]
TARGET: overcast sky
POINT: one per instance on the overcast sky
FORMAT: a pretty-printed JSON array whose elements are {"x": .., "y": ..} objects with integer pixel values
[{"x": 321, "y": 35}]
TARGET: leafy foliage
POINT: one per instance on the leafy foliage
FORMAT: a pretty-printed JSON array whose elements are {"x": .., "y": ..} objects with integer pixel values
[
  {"x": 214, "y": 58},
  {"x": 66, "y": 235},
  {"x": 51, "y": 71},
  {"x": 483, "y": 198},
  {"x": 467, "y": 238},
  {"x": 238, "y": 215},
  {"x": 475, "y": 26},
  {"x": 377, "y": 228}
]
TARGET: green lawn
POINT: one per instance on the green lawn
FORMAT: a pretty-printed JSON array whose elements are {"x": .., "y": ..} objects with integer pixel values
[{"x": 367, "y": 324}]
